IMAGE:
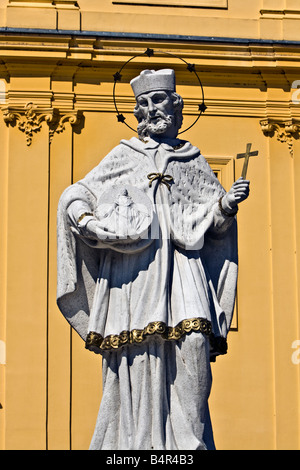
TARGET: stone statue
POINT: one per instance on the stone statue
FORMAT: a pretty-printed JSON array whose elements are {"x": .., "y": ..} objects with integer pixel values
[{"x": 147, "y": 270}]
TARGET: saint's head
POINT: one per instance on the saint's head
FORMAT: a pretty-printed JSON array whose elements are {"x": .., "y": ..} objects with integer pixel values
[{"x": 158, "y": 106}]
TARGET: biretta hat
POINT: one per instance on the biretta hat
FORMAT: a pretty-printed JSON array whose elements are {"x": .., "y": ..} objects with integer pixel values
[{"x": 151, "y": 80}]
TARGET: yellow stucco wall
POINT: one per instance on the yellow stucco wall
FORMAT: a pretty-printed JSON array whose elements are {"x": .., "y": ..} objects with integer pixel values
[{"x": 50, "y": 386}]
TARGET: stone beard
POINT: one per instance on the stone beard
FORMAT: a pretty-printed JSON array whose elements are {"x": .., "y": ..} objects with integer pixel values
[{"x": 158, "y": 309}]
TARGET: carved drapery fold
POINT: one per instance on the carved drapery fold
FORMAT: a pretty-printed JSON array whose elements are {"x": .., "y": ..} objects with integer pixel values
[
  {"x": 29, "y": 119},
  {"x": 285, "y": 131}
]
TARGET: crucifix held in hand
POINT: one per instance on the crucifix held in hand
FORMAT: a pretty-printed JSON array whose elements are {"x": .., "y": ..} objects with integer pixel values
[{"x": 246, "y": 156}]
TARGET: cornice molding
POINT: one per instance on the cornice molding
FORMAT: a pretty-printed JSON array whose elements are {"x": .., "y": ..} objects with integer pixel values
[
  {"x": 75, "y": 102},
  {"x": 93, "y": 52},
  {"x": 29, "y": 119},
  {"x": 282, "y": 110},
  {"x": 96, "y": 59}
]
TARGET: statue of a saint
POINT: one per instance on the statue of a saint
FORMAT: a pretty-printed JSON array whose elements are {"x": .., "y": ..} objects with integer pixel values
[{"x": 147, "y": 270}]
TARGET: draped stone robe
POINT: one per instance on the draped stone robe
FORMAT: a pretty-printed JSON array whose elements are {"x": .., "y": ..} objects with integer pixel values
[{"x": 157, "y": 306}]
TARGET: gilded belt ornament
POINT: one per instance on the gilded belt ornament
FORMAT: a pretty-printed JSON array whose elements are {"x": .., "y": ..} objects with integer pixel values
[{"x": 157, "y": 327}]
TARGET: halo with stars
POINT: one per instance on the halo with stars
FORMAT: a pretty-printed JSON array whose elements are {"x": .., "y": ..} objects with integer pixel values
[{"x": 150, "y": 52}]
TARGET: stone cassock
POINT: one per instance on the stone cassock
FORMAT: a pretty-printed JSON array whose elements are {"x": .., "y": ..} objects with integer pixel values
[{"x": 147, "y": 271}]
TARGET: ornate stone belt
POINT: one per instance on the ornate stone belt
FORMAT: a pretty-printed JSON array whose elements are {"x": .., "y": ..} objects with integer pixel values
[{"x": 157, "y": 327}]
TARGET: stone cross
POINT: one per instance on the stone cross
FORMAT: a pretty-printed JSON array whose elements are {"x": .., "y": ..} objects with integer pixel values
[{"x": 246, "y": 155}]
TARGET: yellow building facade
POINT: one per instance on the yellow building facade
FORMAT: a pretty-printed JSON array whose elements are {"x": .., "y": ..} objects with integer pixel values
[{"x": 58, "y": 120}]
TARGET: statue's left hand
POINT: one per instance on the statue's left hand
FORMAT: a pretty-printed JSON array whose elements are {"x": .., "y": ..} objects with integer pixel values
[{"x": 238, "y": 192}]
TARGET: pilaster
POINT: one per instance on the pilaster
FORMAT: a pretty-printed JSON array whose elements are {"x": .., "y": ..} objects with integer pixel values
[
  {"x": 26, "y": 290},
  {"x": 283, "y": 155},
  {"x": 39, "y": 139}
]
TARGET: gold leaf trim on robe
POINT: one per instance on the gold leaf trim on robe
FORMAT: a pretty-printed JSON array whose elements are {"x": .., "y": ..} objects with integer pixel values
[{"x": 157, "y": 327}]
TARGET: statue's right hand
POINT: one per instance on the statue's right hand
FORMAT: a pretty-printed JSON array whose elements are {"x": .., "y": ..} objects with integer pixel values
[
  {"x": 90, "y": 229},
  {"x": 93, "y": 229}
]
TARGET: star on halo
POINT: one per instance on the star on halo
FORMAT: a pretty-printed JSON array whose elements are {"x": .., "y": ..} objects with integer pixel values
[
  {"x": 191, "y": 67},
  {"x": 149, "y": 52},
  {"x": 202, "y": 107},
  {"x": 117, "y": 77},
  {"x": 121, "y": 118}
]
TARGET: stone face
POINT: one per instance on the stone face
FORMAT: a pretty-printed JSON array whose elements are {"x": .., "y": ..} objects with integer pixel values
[{"x": 147, "y": 269}]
